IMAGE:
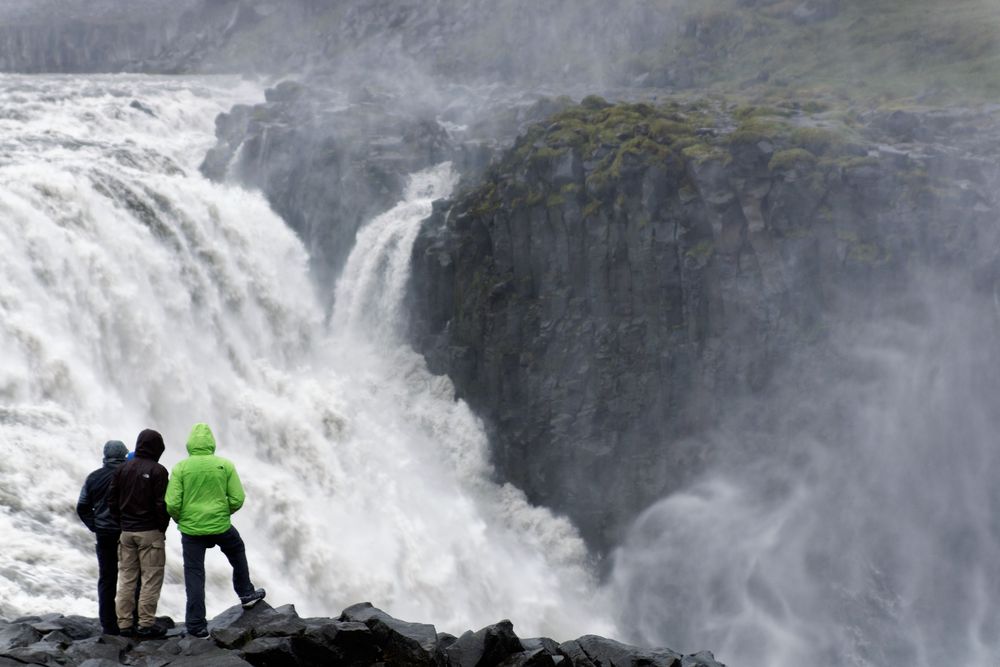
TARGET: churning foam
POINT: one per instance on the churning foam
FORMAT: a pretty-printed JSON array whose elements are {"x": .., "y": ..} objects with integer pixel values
[{"x": 134, "y": 293}]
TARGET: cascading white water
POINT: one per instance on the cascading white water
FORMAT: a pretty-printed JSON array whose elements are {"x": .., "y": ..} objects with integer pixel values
[
  {"x": 135, "y": 294},
  {"x": 369, "y": 295}
]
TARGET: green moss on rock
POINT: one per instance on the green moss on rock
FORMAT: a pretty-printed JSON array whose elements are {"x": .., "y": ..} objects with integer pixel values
[
  {"x": 757, "y": 129},
  {"x": 792, "y": 158}
]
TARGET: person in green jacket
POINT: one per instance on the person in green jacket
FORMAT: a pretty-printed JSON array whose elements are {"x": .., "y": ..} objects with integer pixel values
[{"x": 204, "y": 491}]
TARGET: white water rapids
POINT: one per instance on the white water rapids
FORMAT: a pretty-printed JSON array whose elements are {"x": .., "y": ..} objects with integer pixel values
[{"x": 136, "y": 294}]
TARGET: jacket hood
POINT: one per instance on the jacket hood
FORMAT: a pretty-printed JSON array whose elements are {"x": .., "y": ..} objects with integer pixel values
[
  {"x": 115, "y": 451},
  {"x": 201, "y": 441},
  {"x": 149, "y": 445}
]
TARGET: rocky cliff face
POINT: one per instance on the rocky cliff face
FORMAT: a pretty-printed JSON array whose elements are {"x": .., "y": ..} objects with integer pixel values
[
  {"x": 120, "y": 36},
  {"x": 626, "y": 274},
  {"x": 327, "y": 163},
  {"x": 78, "y": 46},
  {"x": 329, "y": 160}
]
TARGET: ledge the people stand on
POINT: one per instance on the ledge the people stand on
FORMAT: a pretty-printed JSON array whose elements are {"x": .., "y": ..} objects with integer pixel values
[{"x": 273, "y": 637}]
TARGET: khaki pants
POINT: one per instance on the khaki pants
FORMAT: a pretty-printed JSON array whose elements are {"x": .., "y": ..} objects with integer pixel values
[{"x": 140, "y": 555}]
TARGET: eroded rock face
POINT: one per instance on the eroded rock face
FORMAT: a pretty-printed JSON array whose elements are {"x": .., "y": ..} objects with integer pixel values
[
  {"x": 105, "y": 36},
  {"x": 626, "y": 274},
  {"x": 269, "y": 637},
  {"x": 325, "y": 163}
]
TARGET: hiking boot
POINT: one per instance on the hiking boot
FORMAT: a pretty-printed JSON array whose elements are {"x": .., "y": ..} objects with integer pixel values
[
  {"x": 152, "y": 632},
  {"x": 201, "y": 634},
  {"x": 250, "y": 600},
  {"x": 126, "y": 632}
]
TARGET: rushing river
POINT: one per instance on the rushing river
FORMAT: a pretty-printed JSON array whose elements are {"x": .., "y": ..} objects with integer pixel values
[{"x": 134, "y": 293}]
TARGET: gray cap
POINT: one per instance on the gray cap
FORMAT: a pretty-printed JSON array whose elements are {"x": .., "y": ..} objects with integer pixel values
[{"x": 115, "y": 450}]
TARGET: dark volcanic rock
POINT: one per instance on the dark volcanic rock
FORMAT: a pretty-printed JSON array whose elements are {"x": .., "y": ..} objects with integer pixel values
[
  {"x": 18, "y": 635},
  {"x": 624, "y": 279},
  {"x": 266, "y": 637},
  {"x": 538, "y": 657},
  {"x": 337, "y": 642},
  {"x": 270, "y": 652},
  {"x": 324, "y": 166},
  {"x": 487, "y": 648},
  {"x": 591, "y": 651},
  {"x": 402, "y": 643}
]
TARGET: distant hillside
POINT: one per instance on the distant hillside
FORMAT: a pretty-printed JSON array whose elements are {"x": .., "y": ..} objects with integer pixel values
[
  {"x": 863, "y": 50},
  {"x": 860, "y": 49}
]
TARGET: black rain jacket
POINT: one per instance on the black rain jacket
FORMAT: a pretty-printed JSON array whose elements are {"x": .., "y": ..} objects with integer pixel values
[
  {"x": 135, "y": 497},
  {"x": 92, "y": 507}
]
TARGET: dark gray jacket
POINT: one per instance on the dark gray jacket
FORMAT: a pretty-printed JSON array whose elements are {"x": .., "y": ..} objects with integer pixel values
[{"x": 92, "y": 507}]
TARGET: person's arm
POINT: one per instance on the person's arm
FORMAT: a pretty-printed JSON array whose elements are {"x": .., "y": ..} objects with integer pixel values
[
  {"x": 174, "y": 498},
  {"x": 234, "y": 490},
  {"x": 85, "y": 508},
  {"x": 159, "y": 492}
]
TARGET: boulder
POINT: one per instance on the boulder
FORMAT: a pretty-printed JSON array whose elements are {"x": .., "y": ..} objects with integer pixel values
[
  {"x": 533, "y": 643},
  {"x": 282, "y": 625},
  {"x": 36, "y": 654},
  {"x": 216, "y": 658},
  {"x": 701, "y": 659},
  {"x": 402, "y": 643},
  {"x": 18, "y": 635},
  {"x": 326, "y": 641},
  {"x": 538, "y": 657},
  {"x": 238, "y": 617},
  {"x": 594, "y": 651},
  {"x": 270, "y": 652},
  {"x": 232, "y": 637},
  {"x": 95, "y": 647},
  {"x": 486, "y": 648}
]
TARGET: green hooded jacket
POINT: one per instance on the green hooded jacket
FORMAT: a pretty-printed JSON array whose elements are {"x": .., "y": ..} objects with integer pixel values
[{"x": 204, "y": 489}]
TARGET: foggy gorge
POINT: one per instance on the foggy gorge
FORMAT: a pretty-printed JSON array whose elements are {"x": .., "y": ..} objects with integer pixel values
[{"x": 573, "y": 332}]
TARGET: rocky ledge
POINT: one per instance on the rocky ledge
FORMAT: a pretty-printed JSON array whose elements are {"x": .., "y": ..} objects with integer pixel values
[{"x": 272, "y": 637}]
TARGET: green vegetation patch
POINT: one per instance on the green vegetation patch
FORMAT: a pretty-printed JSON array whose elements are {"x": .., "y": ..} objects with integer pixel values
[
  {"x": 756, "y": 129},
  {"x": 791, "y": 158}
]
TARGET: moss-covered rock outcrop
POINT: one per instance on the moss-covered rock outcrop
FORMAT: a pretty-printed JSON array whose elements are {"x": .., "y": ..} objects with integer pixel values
[{"x": 627, "y": 271}]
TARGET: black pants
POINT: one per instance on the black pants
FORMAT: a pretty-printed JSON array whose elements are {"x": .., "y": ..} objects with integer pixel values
[
  {"x": 194, "y": 547},
  {"x": 107, "y": 580}
]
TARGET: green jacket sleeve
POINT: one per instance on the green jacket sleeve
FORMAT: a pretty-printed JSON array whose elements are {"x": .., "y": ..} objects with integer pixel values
[
  {"x": 234, "y": 490},
  {"x": 175, "y": 492}
]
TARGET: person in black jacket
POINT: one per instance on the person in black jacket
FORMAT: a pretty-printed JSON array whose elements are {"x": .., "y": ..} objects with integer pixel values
[
  {"x": 92, "y": 507},
  {"x": 135, "y": 499}
]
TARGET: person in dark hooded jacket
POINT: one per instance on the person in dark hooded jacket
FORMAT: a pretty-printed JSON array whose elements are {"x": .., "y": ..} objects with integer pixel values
[
  {"x": 92, "y": 507},
  {"x": 135, "y": 499}
]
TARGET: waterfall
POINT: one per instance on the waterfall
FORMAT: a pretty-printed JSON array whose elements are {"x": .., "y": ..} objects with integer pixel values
[
  {"x": 136, "y": 294},
  {"x": 370, "y": 292}
]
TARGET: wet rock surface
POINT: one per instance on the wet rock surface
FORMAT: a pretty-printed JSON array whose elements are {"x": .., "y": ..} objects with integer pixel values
[
  {"x": 272, "y": 637},
  {"x": 326, "y": 163},
  {"x": 328, "y": 160},
  {"x": 628, "y": 274}
]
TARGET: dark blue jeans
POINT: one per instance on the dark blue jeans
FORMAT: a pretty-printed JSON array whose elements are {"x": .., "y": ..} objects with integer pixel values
[
  {"x": 194, "y": 547},
  {"x": 107, "y": 580}
]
